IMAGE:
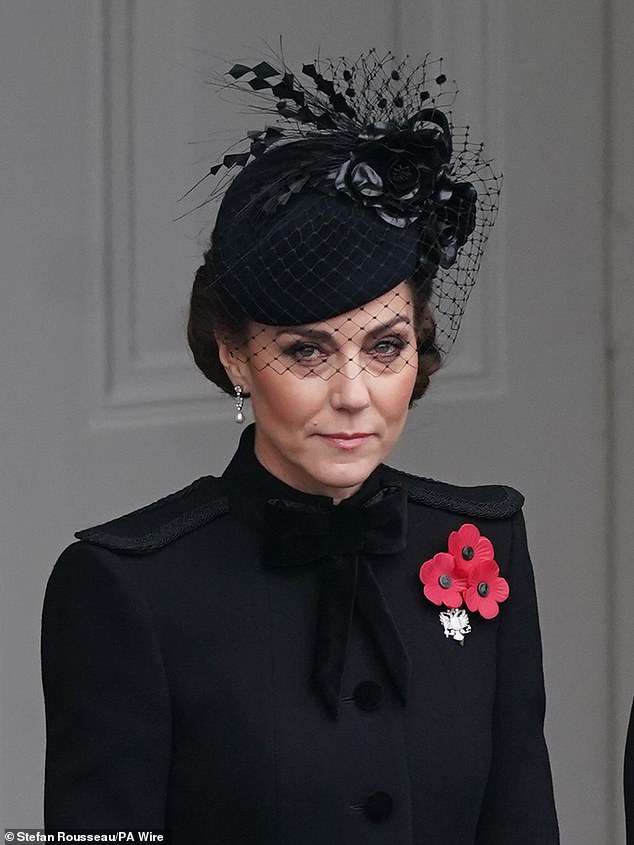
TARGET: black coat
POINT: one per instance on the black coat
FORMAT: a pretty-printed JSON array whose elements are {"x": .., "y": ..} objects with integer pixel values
[
  {"x": 177, "y": 679},
  {"x": 629, "y": 781}
]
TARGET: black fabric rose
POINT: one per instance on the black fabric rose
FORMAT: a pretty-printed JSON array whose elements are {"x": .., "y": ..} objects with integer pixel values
[
  {"x": 447, "y": 228},
  {"x": 403, "y": 173},
  {"x": 400, "y": 170},
  {"x": 456, "y": 220}
]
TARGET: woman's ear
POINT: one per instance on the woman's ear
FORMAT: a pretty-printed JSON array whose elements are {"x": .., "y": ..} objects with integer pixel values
[{"x": 234, "y": 363}]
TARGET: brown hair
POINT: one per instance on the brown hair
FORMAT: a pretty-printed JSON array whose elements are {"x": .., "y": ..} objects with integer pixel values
[{"x": 210, "y": 315}]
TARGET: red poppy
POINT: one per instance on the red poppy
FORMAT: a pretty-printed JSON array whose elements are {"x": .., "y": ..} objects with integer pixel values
[
  {"x": 469, "y": 547},
  {"x": 486, "y": 589},
  {"x": 444, "y": 583}
]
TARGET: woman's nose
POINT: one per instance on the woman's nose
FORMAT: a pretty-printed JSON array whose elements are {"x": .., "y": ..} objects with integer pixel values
[{"x": 349, "y": 389}]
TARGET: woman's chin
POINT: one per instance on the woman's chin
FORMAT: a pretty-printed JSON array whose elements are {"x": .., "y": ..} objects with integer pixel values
[{"x": 342, "y": 478}]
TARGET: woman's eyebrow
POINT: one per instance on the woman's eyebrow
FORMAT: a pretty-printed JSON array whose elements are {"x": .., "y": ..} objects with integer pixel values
[
  {"x": 395, "y": 321},
  {"x": 308, "y": 334}
]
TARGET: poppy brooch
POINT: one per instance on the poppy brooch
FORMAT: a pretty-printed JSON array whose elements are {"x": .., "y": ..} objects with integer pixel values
[{"x": 466, "y": 573}]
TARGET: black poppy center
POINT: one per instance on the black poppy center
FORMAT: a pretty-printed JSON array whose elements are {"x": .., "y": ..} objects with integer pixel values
[
  {"x": 468, "y": 553},
  {"x": 445, "y": 581},
  {"x": 483, "y": 589},
  {"x": 401, "y": 175}
]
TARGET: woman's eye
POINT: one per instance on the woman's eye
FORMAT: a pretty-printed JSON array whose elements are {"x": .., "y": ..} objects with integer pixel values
[
  {"x": 306, "y": 353},
  {"x": 389, "y": 347}
]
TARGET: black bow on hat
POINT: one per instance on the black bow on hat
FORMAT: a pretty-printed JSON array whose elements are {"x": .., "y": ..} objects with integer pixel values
[{"x": 338, "y": 539}]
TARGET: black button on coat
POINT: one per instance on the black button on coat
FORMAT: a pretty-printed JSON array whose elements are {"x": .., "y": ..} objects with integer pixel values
[{"x": 177, "y": 673}]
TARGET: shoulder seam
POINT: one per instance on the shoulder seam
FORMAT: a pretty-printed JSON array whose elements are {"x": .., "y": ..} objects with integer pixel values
[
  {"x": 123, "y": 535},
  {"x": 162, "y": 536},
  {"x": 494, "y": 502}
]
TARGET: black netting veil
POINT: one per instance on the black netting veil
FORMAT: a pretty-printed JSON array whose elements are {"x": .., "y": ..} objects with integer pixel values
[{"x": 359, "y": 203}]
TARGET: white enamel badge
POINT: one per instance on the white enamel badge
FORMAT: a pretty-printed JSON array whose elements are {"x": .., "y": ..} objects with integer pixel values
[{"x": 455, "y": 623}]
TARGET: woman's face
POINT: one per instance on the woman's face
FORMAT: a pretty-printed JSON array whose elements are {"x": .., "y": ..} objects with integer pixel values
[{"x": 330, "y": 399}]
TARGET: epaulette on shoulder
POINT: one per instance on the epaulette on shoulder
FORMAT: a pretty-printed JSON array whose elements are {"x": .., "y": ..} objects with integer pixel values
[
  {"x": 492, "y": 501},
  {"x": 162, "y": 522}
]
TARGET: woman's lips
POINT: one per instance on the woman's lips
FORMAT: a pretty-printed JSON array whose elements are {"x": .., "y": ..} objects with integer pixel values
[{"x": 342, "y": 440}]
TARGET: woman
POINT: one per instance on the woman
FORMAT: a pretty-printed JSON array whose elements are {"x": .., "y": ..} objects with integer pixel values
[{"x": 314, "y": 648}]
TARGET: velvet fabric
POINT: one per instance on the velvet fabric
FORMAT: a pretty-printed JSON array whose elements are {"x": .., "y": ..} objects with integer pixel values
[
  {"x": 178, "y": 678},
  {"x": 342, "y": 539}
]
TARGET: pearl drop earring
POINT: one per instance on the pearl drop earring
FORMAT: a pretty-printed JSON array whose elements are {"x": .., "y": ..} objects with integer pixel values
[{"x": 239, "y": 417}]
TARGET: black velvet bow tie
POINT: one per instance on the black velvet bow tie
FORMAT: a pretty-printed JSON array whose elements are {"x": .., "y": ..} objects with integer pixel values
[{"x": 338, "y": 538}]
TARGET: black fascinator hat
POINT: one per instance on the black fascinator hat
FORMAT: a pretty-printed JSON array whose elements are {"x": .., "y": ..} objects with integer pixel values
[{"x": 360, "y": 182}]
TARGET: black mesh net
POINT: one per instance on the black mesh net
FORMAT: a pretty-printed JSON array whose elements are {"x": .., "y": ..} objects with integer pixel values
[
  {"x": 352, "y": 226},
  {"x": 380, "y": 338}
]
